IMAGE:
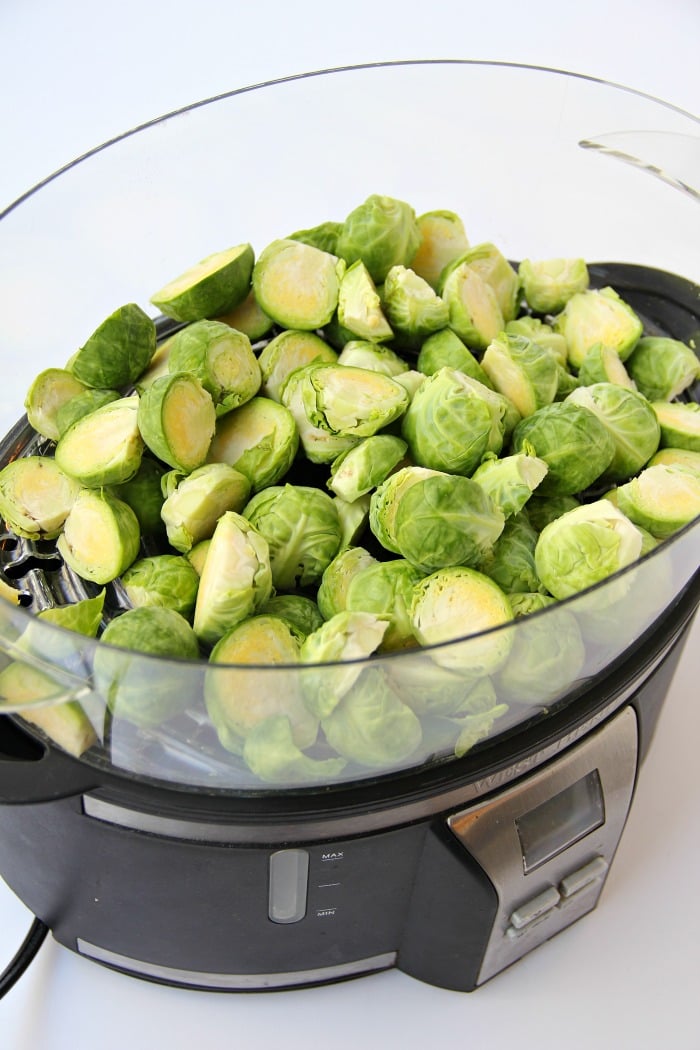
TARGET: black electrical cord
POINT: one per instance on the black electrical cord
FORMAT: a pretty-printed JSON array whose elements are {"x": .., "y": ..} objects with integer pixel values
[{"x": 28, "y": 949}]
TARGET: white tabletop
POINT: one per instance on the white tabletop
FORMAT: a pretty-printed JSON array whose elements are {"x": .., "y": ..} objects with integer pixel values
[{"x": 73, "y": 75}]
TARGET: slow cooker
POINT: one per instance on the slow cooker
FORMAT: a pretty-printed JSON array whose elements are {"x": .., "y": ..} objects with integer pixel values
[{"x": 155, "y": 851}]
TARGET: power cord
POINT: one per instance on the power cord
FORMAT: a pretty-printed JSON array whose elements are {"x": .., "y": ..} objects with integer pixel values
[{"x": 27, "y": 951}]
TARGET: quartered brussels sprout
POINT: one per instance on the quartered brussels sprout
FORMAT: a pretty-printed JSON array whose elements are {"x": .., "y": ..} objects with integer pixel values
[
  {"x": 36, "y": 496},
  {"x": 270, "y": 752},
  {"x": 192, "y": 509},
  {"x": 413, "y": 307},
  {"x": 473, "y": 308},
  {"x": 118, "y": 351},
  {"x": 492, "y": 266},
  {"x": 198, "y": 555},
  {"x": 211, "y": 287},
  {"x": 222, "y": 359},
  {"x": 359, "y": 306},
  {"x": 299, "y": 610},
  {"x": 602, "y": 364},
  {"x": 375, "y": 356},
  {"x": 445, "y": 349},
  {"x": 524, "y": 372},
  {"x": 630, "y": 420},
  {"x": 324, "y": 236},
  {"x": 677, "y": 457},
  {"x": 334, "y": 654},
  {"x": 680, "y": 424},
  {"x": 301, "y": 527},
  {"x": 104, "y": 447},
  {"x": 456, "y": 602},
  {"x": 139, "y": 690},
  {"x": 144, "y": 494},
  {"x": 362, "y": 468},
  {"x": 511, "y": 560},
  {"x": 249, "y": 318},
  {"x": 443, "y": 239},
  {"x": 540, "y": 332},
  {"x": 49, "y": 391},
  {"x": 661, "y": 499},
  {"x": 511, "y": 480},
  {"x": 241, "y": 698},
  {"x": 287, "y": 351},
  {"x": 177, "y": 418},
  {"x": 386, "y": 589},
  {"x": 584, "y": 546},
  {"x": 260, "y": 439},
  {"x": 236, "y": 578},
  {"x": 371, "y": 725},
  {"x": 434, "y": 519},
  {"x": 572, "y": 441},
  {"x": 452, "y": 422},
  {"x": 297, "y": 285},
  {"x": 548, "y": 284},
  {"x": 382, "y": 232},
  {"x": 337, "y": 576},
  {"x": 100, "y": 537},
  {"x": 598, "y": 316},
  {"x": 166, "y": 580},
  {"x": 662, "y": 368}
]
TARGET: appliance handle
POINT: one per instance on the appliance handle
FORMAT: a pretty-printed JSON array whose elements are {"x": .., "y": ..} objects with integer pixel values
[{"x": 36, "y": 775}]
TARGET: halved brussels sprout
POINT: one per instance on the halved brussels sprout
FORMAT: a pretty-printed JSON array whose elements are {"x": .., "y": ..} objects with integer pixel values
[
  {"x": 662, "y": 499},
  {"x": 297, "y": 285},
  {"x": 677, "y": 457},
  {"x": 118, "y": 351},
  {"x": 104, "y": 447},
  {"x": 572, "y": 441},
  {"x": 386, "y": 589},
  {"x": 318, "y": 443},
  {"x": 602, "y": 364},
  {"x": 249, "y": 318},
  {"x": 144, "y": 494},
  {"x": 548, "y": 284},
  {"x": 211, "y": 287},
  {"x": 443, "y": 239},
  {"x": 100, "y": 537},
  {"x": 541, "y": 510},
  {"x": 353, "y": 518},
  {"x": 598, "y": 316},
  {"x": 166, "y": 580},
  {"x": 474, "y": 312},
  {"x": 680, "y": 424},
  {"x": 492, "y": 266},
  {"x": 288, "y": 351},
  {"x": 446, "y": 350},
  {"x": 382, "y": 232},
  {"x": 222, "y": 359},
  {"x": 324, "y": 236},
  {"x": 631, "y": 421},
  {"x": 539, "y": 332},
  {"x": 192, "y": 509},
  {"x": 511, "y": 560},
  {"x": 362, "y": 468},
  {"x": 510, "y": 481},
  {"x": 662, "y": 368},
  {"x": 260, "y": 439},
  {"x": 49, "y": 391},
  {"x": 548, "y": 653},
  {"x": 177, "y": 418},
  {"x": 524, "y": 372},
  {"x": 337, "y": 576},
  {"x": 82, "y": 405},
  {"x": 65, "y": 723},
  {"x": 345, "y": 400},
  {"x": 36, "y": 496},
  {"x": 375, "y": 356},
  {"x": 270, "y": 752},
  {"x": 299, "y": 610},
  {"x": 413, "y": 307},
  {"x": 359, "y": 306},
  {"x": 337, "y": 651},
  {"x": 584, "y": 546}
]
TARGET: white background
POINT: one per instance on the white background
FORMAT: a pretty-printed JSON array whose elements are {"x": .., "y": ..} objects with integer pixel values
[{"x": 74, "y": 74}]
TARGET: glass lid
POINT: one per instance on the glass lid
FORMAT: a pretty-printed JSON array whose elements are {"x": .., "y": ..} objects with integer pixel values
[{"x": 362, "y": 421}]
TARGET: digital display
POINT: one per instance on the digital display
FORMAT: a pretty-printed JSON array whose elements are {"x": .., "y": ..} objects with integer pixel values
[{"x": 560, "y": 821}]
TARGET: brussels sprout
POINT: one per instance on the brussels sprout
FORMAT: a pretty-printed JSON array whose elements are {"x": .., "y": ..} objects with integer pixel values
[
  {"x": 450, "y": 424},
  {"x": 371, "y": 726},
  {"x": 324, "y": 236},
  {"x": 177, "y": 418},
  {"x": 602, "y": 364},
  {"x": 661, "y": 499},
  {"x": 50, "y": 390},
  {"x": 249, "y": 318},
  {"x": 240, "y": 699},
  {"x": 548, "y": 284},
  {"x": 192, "y": 509},
  {"x": 82, "y": 405},
  {"x": 104, "y": 447},
  {"x": 680, "y": 424},
  {"x": 221, "y": 358},
  {"x": 411, "y": 381},
  {"x": 83, "y": 617},
  {"x": 362, "y": 468},
  {"x": 297, "y": 285},
  {"x": 434, "y": 519},
  {"x": 377, "y": 358},
  {"x": 511, "y": 560},
  {"x": 158, "y": 366},
  {"x": 524, "y": 603},
  {"x": 382, "y": 232},
  {"x": 198, "y": 555},
  {"x": 443, "y": 239},
  {"x": 567, "y": 382},
  {"x": 301, "y": 612},
  {"x": 491, "y": 265},
  {"x": 61, "y": 654},
  {"x": 66, "y": 723},
  {"x": 474, "y": 313},
  {"x": 677, "y": 457},
  {"x": 412, "y": 306},
  {"x": 212, "y": 286},
  {"x": 288, "y": 351},
  {"x": 430, "y": 689},
  {"x": 631, "y": 421},
  {"x": 446, "y": 350},
  {"x": 541, "y": 333},
  {"x": 571, "y": 440},
  {"x": 524, "y": 372},
  {"x": 584, "y": 546},
  {"x": 543, "y": 509},
  {"x": 475, "y": 728},
  {"x": 36, "y": 496},
  {"x": 166, "y": 580},
  {"x": 339, "y": 646},
  {"x": 143, "y": 492},
  {"x": 548, "y": 653},
  {"x": 317, "y": 442},
  {"x": 353, "y": 518},
  {"x": 455, "y": 603},
  {"x": 345, "y": 400},
  {"x": 510, "y": 481},
  {"x": 260, "y": 439},
  {"x": 139, "y": 690},
  {"x": 386, "y": 589},
  {"x": 236, "y": 579},
  {"x": 662, "y": 368},
  {"x": 100, "y": 537},
  {"x": 359, "y": 306},
  {"x": 271, "y": 754},
  {"x": 337, "y": 576},
  {"x": 300, "y": 524},
  {"x": 118, "y": 351},
  {"x": 598, "y": 316}
]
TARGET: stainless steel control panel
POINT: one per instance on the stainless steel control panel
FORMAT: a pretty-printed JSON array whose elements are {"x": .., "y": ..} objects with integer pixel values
[{"x": 546, "y": 843}]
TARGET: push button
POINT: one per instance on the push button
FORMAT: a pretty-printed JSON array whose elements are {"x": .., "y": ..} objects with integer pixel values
[
  {"x": 534, "y": 908},
  {"x": 289, "y": 878},
  {"x": 582, "y": 877}
]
